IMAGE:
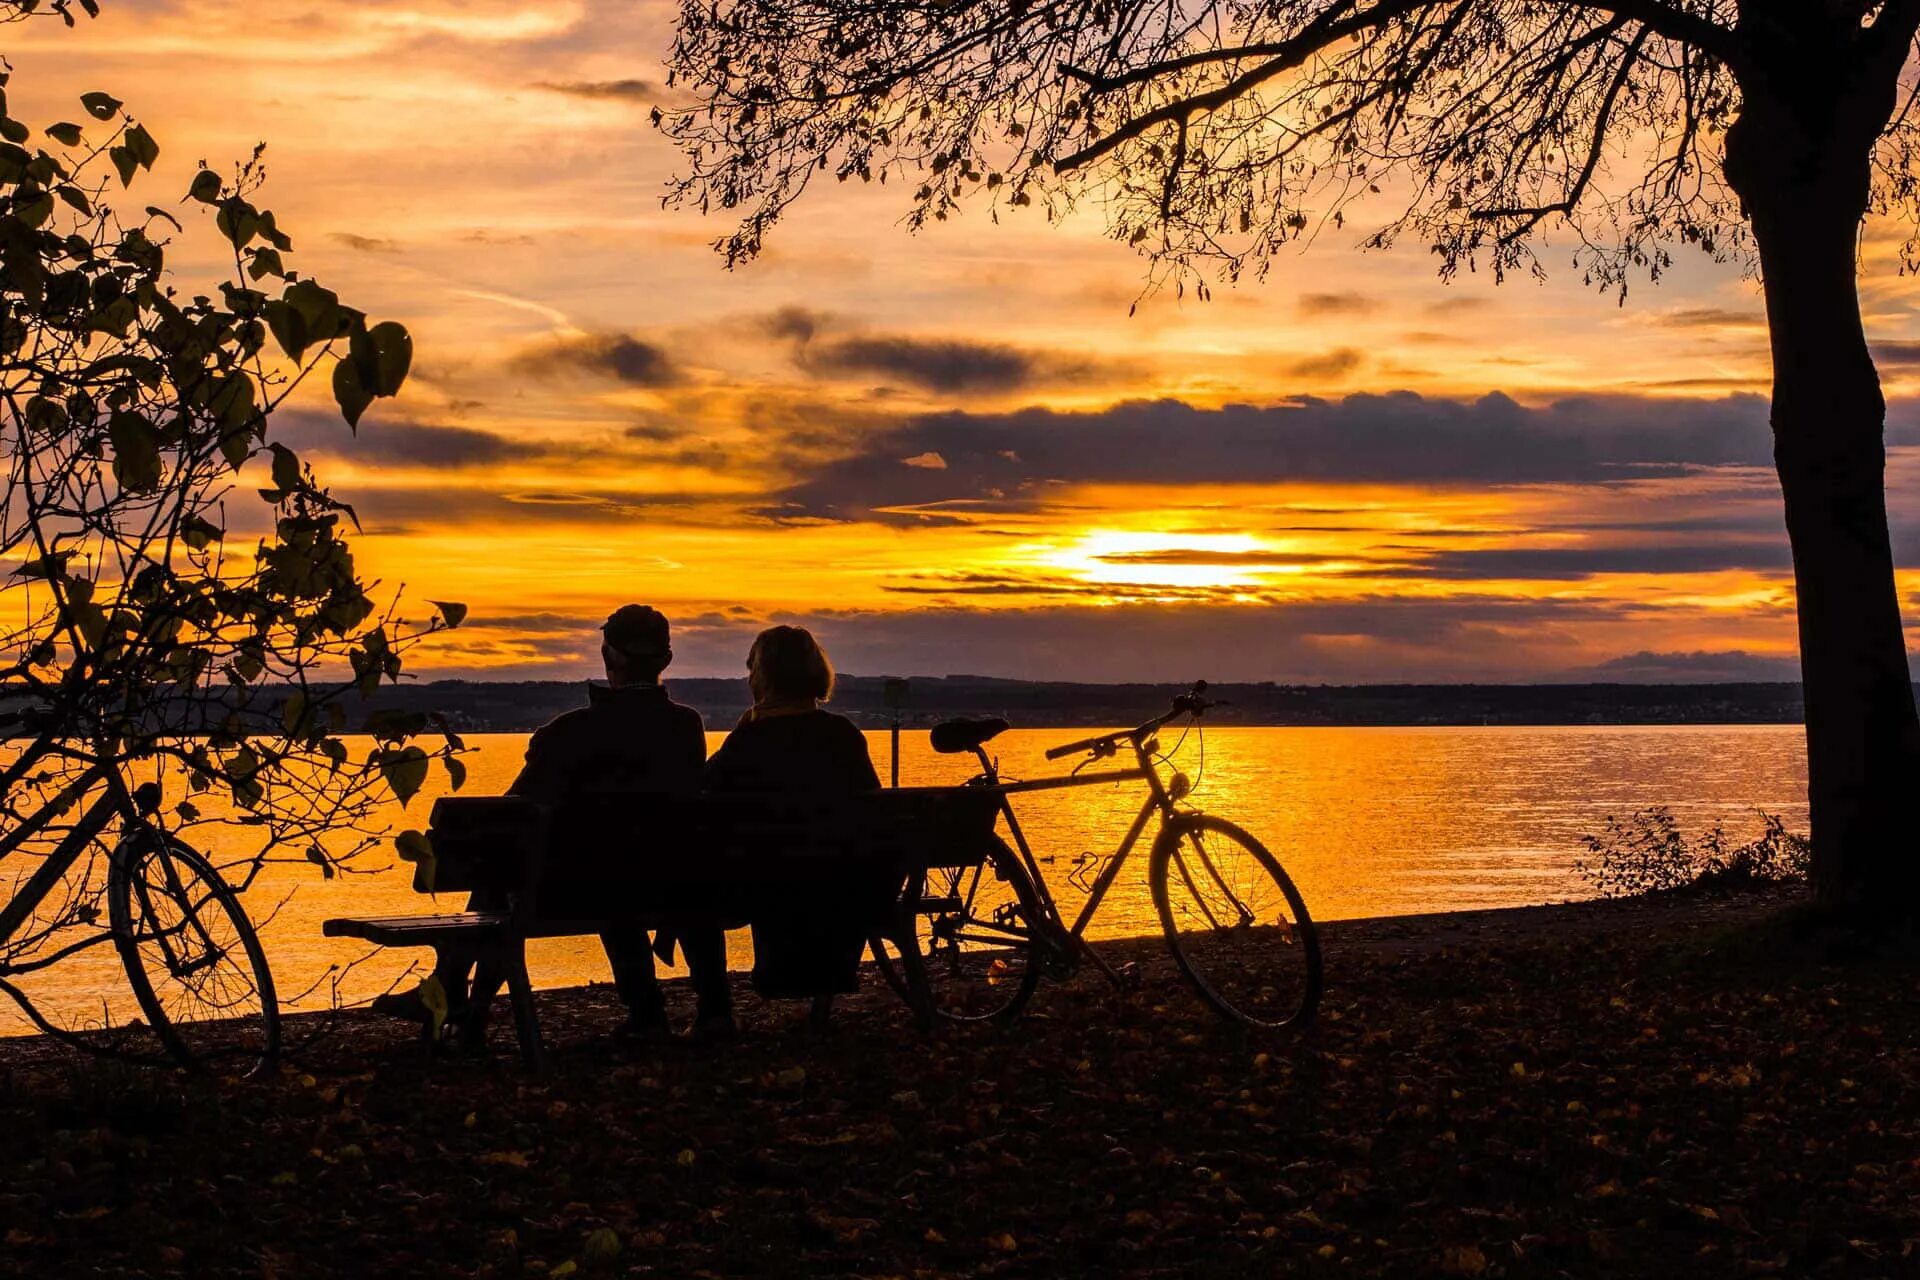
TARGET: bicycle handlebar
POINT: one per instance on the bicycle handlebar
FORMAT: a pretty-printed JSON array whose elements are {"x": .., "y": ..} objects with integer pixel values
[{"x": 1192, "y": 702}]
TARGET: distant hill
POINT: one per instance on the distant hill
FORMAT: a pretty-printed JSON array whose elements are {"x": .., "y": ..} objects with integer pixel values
[{"x": 485, "y": 706}]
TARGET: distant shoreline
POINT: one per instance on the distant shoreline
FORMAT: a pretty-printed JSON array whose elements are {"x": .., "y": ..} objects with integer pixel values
[{"x": 521, "y": 706}]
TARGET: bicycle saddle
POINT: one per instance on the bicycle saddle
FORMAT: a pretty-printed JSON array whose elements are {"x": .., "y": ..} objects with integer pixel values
[{"x": 951, "y": 736}]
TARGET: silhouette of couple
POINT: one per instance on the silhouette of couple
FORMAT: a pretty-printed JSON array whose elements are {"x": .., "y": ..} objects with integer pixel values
[{"x": 632, "y": 739}]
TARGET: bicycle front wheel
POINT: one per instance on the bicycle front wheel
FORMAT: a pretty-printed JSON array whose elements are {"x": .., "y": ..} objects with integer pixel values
[
  {"x": 191, "y": 955},
  {"x": 1235, "y": 923}
]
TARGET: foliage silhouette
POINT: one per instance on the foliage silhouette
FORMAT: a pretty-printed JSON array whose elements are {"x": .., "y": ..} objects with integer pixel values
[
  {"x": 1648, "y": 854},
  {"x": 145, "y": 648},
  {"x": 1212, "y": 135}
]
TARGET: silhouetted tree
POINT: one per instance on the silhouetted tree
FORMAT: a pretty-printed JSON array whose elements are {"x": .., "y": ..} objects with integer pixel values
[
  {"x": 181, "y": 619},
  {"x": 1213, "y": 133}
]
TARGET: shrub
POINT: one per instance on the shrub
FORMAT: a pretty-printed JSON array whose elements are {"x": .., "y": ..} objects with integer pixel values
[{"x": 1647, "y": 853}]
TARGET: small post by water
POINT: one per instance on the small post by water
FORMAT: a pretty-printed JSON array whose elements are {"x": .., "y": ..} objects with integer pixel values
[{"x": 894, "y": 694}]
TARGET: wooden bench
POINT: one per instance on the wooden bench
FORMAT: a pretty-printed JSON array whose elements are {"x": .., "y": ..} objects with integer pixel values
[{"x": 677, "y": 860}]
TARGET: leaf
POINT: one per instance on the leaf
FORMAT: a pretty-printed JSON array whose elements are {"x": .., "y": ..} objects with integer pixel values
[
  {"x": 136, "y": 452},
  {"x": 14, "y": 131},
  {"x": 452, "y": 612},
  {"x": 514, "y": 1159},
  {"x": 405, "y": 771},
  {"x": 198, "y": 532},
  {"x": 49, "y": 566},
  {"x": 413, "y": 846},
  {"x": 288, "y": 326},
  {"x": 286, "y": 469},
  {"x": 142, "y": 145},
  {"x": 124, "y": 164},
  {"x": 237, "y": 221},
  {"x": 34, "y": 209},
  {"x": 65, "y": 133},
  {"x": 600, "y": 1247},
  {"x": 100, "y": 106},
  {"x": 206, "y": 187},
  {"x": 318, "y": 307},
  {"x": 349, "y": 392},
  {"x": 456, "y": 771},
  {"x": 383, "y": 353}
]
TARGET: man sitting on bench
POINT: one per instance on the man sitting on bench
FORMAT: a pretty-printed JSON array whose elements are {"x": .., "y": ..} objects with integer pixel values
[{"x": 630, "y": 739}]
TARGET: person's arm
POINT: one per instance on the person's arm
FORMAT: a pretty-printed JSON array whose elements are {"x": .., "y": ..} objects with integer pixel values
[
  {"x": 861, "y": 774},
  {"x": 689, "y": 756},
  {"x": 541, "y": 777}
]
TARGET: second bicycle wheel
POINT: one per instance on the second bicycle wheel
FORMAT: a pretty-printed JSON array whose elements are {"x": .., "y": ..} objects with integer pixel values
[
  {"x": 1235, "y": 923},
  {"x": 976, "y": 933},
  {"x": 191, "y": 955}
]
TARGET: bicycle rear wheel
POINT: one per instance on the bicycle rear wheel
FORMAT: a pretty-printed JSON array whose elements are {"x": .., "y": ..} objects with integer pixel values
[
  {"x": 975, "y": 928},
  {"x": 191, "y": 955},
  {"x": 1235, "y": 923}
]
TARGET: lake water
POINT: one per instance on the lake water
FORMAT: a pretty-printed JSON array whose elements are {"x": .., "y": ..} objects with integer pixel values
[{"x": 1368, "y": 821}]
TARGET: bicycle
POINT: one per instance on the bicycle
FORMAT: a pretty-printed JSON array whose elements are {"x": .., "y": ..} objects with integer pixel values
[
  {"x": 1234, "y": 921},
  {"x": 191, "y": 955}
]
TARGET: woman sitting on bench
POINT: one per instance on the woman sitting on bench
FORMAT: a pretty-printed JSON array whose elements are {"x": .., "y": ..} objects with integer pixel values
[{"x": 787, "y": 744}]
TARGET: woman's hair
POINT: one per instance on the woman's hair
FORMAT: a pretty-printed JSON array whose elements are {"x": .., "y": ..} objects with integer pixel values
[{"x": 787, "y": 662}]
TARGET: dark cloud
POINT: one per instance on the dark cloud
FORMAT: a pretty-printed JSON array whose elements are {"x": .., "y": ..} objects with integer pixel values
[
  {"x": 795, "y": 324},
  {"x": 1398, "y": 438},
  {"x": 629, "y": 90},
  {"x": 400, "y": 443},
  {"x": 1897, "y": 355},
  {"x": 1572, "y": 563},
  {"x": 615, "y": 355},
  {"x": 950, "y": 365},
  {"x": 1708, "y": 318},
  {"x": 1336, "y": 304},
  {"x": 1327, "y": 366},
  {"x": 365, "y": 244},
  {"x": 444, "y": 505}
]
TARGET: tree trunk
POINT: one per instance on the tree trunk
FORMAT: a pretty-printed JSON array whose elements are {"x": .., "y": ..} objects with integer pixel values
[{"x": 1829, "y": 418}]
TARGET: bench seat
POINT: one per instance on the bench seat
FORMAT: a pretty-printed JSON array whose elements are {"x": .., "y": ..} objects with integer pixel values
[{"x": 418, "y": 931}]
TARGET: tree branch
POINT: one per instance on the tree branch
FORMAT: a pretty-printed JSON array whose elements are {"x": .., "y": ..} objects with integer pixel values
[
  {"x": 1535, "y": 216},
  {"x": 1286, "y": 55},
  {"x": 1678, "y": 25}
]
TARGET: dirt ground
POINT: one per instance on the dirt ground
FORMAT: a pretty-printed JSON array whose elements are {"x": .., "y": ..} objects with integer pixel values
[{"x": 1657, "y": 1088}]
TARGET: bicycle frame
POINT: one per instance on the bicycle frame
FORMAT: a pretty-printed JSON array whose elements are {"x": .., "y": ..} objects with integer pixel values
[
  {"x": 55, "y": 866},
  {"x": 1159, "y": 801}
]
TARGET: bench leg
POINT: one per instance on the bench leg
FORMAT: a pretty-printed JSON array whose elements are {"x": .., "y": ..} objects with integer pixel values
[{"x": 526, "y": 1022}]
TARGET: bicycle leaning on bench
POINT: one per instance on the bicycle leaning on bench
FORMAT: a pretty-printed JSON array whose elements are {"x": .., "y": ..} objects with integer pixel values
[{"x": 1234, "y": 922}]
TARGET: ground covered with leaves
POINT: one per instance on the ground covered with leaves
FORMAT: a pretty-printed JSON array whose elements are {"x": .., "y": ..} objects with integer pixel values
[{"x": 1612, "y": 1089}]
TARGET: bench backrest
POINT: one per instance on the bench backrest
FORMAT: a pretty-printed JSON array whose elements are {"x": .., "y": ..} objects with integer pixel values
[{"x": 586, "y": 858}]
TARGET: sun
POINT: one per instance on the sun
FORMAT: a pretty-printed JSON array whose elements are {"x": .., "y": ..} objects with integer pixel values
[{"x": 1147, "y": 558}]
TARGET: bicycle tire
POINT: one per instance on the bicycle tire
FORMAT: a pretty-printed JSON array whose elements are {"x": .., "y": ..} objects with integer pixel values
[
  {"x": 247, "y": 1022},
  {"x": 1221, "y": 934},
  {"x": 982, "y": 962}
]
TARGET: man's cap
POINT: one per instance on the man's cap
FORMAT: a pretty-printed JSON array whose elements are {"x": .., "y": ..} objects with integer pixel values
[{"x": 637, "y": 630}]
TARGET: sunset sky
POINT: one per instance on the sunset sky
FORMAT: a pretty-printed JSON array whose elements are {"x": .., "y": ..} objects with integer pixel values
[{"x": 956, "y": 451}]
